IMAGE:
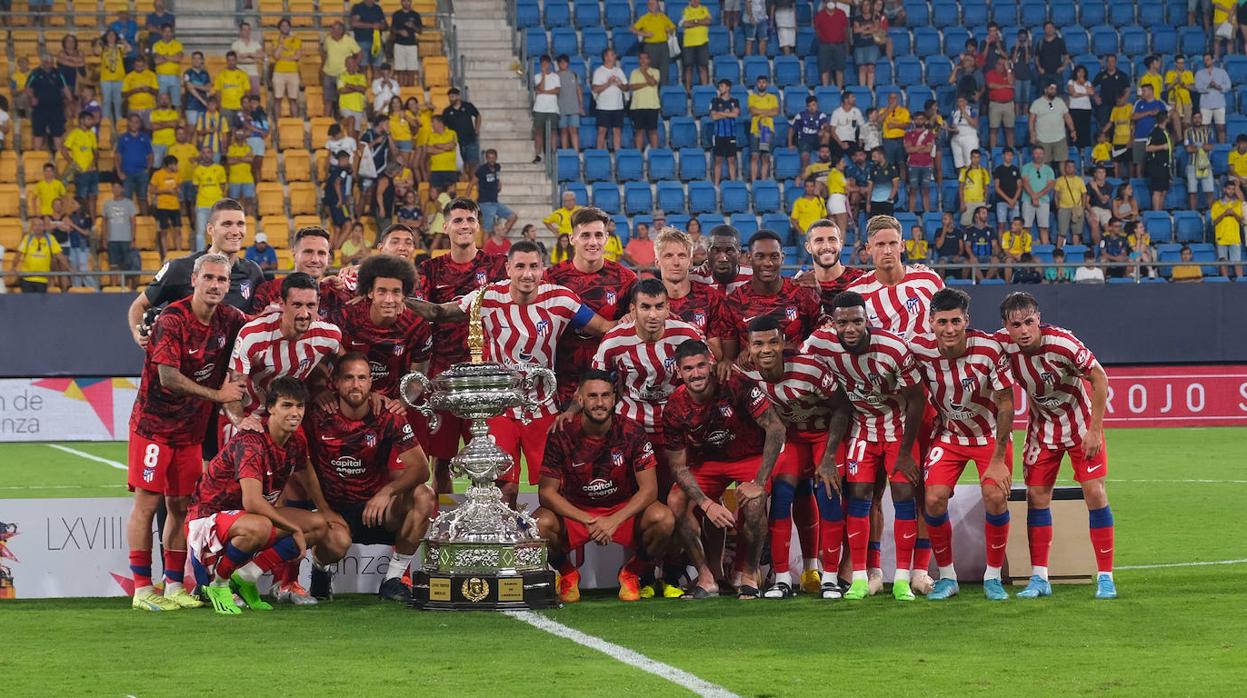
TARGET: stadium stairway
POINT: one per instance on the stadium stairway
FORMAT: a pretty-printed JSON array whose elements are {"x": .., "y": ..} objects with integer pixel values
[
  {"x": 502, "y": 98},
  {"x": 212, "y": 28}
]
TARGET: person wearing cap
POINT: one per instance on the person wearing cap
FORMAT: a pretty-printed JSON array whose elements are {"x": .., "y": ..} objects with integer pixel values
[{"x": 263, "y": 255}]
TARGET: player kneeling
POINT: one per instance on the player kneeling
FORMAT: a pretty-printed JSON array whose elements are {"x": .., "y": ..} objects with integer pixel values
[
  {"x": 599, "y": 483},
  {"x": 373, "y": 471},
  {"x": 234, "y": 531}
]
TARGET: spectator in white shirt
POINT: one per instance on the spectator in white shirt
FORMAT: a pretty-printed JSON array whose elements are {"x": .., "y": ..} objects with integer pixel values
[
  {"x": 546, "y": 86},
  {"x": 1088, "y": 273},
  {"x": 250, "y": 52},
  {"x": 384, "y": 88},
  {"x": 846, "y": 119},
  {"x": 609, "y": 83}
]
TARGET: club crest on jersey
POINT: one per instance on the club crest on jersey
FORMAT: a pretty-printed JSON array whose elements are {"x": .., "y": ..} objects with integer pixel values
[
  {"x": 726, "y": 411},
  {"x": 668, "y": 364},
  {"x": 220, "y": 341},
  {"x": 480, "y": 277},
  {"x": 699, "y": 319},
  {"x": 370, "y": 439},
  {"x": 303, "y": 364},
  {"x": 617, "y": 458},
  {"x": 611, "y": 298},
  {"x": 244, "y": 289},
  {"x": 398, "y": 350},
  {"x": 543, "y": 326},
  {"x": 911, "y": 304},
  {"x": 967, "y": 384},
  {"x": 1048, "y": 377},
  {"x": 1082, "y": 357},
  {"x": 852, "y": 466},
  {"x": 790, "y": 313}
]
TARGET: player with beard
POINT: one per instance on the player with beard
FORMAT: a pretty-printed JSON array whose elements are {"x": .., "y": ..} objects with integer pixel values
[
  {"x": 184, "y": 374},
  {"x": 795, "y": 308},
  {"x": 694, "y": 302},
  {"x": 598, "y": 484},
  {"x": 398, "y": 240},
  {"x": 718, "y": 433},
  {"x": 722, "y": 269},
  {"x": 522, "y": 320},
  {"x": 824, "y": 240},
  {"x": 443, "y": 279},
  {"x": 970, "y": 381},
  {"x": 372, "y": 471},
  {"x": 877, "y": 372},
  {"x": 312, "y": 256},
  {"x": 1053, "y": 367},
  {"x": 805, "y": 396},
  {"x": 601, "y": 284},
  {"x": 235, "y": 531}
]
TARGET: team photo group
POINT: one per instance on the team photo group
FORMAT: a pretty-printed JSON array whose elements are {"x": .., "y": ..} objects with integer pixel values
[{"x": 703, "y": 410}]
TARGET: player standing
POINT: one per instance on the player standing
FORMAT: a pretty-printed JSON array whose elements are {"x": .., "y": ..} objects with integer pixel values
[
  {"x": 722, "y": 270},
  {"x": 598, "y": 483},
  {"x": 795, "y": 308},
  {"x": 717, "y": 433},
  {"x": 804, "y": 393},
  {"x": 444, "y": 279},
  {"x": 234, "y": 530},
  {"x": 880, "y": 377},
  {"x": 824, "y": 241},
  {"x": 183, "y": 376},
  {"x": 522, "y": 319},
  {"x": 968, "y": 377},
  {"x": 692, "y": 301},
  {"x": 312, "y": 256},
  {"x": 372, "y": 471},
  {"x": 601, "y": 284},
  {"x": 1051, "y": 365}
]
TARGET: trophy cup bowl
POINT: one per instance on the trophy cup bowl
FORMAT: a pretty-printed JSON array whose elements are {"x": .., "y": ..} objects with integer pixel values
[{"x": 481, "y": 554}]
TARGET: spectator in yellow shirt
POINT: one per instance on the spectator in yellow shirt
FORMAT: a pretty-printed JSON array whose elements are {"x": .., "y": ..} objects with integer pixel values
[
  {"x": 1121, "y": 122},
  {"x": 164, "y": 122},
  {"x": 286, "y": 52},
  {"x": 559, "y": 221},
  {"x": 81, "y": 148},
  {"x": 167, "y": 54},
  {"x": 652, "y": 28},
  {"x": 1102, "y": 153},
  {"x": 917, "y": 249},
  {"x": 809, "y": 207},
  {"x": 48, "y": 190},
  {"x": 35, "y": 254},
  {"x": 613, "y": 250},
  {"x": 187, "y": 153},
  {"x": 442, "y": 146},
  {"x": 1227, "y": 224},
  {"x": 352, "y": 88},
  {"x": 1015, "y": 242},
  {"x": 1187, "y": 272},
  {"x": 209, "y": 179},
  {"x": 696, "y": 21},
  {"x": 1178, "y": 85},
  {"x": 231, "y": 84},
  {"x": 241, "y": 177},
  {"x": 1072, "y": 201},
  {"x": 763, "y": 108},
  {"x": 974, "y": 181},
  {"x": 165, "y": 207},
  {"x": 1238, "y": 160},
  {"x": 894, "y": 119},
  {"x": 139, "y": 89},
  {"x": 212, "y": 129},
  {"x": 335, "y": 49}
]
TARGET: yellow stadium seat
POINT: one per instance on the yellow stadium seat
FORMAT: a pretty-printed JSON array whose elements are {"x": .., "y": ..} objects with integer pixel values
[
  {"x": 302, "y": 13},
  {"x": 320, "y": 131},
  {"x": 314, "y": 101},
  {"x": 112, "y": 7},
  {"x": 60, "y": 9},
  {"x": 52, "y": 37},
  {"x": 322, "y": 165},
  {"x": 309, "y": 66},
  {"x": 431, "y": 44},
  {"x": 8, "y": 167},
  {"x": 298, "y": 166},
  {"x": 268, "y": 167},
  {"x": 425, "y": 7},
  {"x": 10, "y": 200},
  {"x": 436, "y": 72},
  {"x": 302, "y": 198},
  {"x": 150, "y": 260},
  {"x": 271, "y": 12},
  {"x": 271, "y": 199},
  {"x": 305, "y": 221},
  {"x": 439, "y": 100},
  {"x": 33, "y": 163},
  {"x": 145, "y": 232},
  {"x": 106, "y": 134},
  {"x": 106, "y": 160},
  {"x": 10, "y": 234},
  {"x": 290, "y": 132},
  {"x": 277, "y": 228},
  {"x": 81, "y": 289},
  {"x": 285, "y": 259},
  {"x": 86, "y": 15}
]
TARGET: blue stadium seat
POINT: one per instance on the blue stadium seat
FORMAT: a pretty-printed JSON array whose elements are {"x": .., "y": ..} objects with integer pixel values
[
  {"x": 564, "y": 40},
  {"x": 766, "y": 197},
  {"x": 908, "y": 71},
  {"x": 661, "y": 164},
  {"x": 865, "y": 98},
  {"x": 1034, "y": 14},
  {"x": 805, "y": 17},
  {"x": 1236, "y": 66},
  {"x": 1091, "y": 12},
  {"x": 1043, "y": 253},
  {"x": 702, "y": 199},
  {"x": 955, "y": 41},
  {"x": 597, "y": 166},
  {"x": 623, "y": 41},
  {"x": 720, "y": 41},
  {"x": 1133, "y": 41},
  {"x": 1104, "y": 40},
  {"x": 1188, "y": 226},
  {"x": 1152, "y": 14},
  {"x": 1090, "y": 61},
  {"x": 806, "y": 43},
  {"x": 726, "y": 68},
  {"x": 787, "y": 71},
  {"x": 746, "y": 224},
  {"x": 594, "y": 40},
  {"x": 702, "y": 96},
  {"x": 944, "y": 14},
  {"x": 755, "y": 67},
  {"x": 938, "y": 70},
  {"x": 883, "y": 72},
  {"x": 1192, "y": 41},
  {"x": 535, "y": 41},
  {"x": 917, "y": 13},
  {"x": 1158, "y": 225},
  {"x": 787, "y": 163},
  {"x": 709, "y": 220},
  {"x": 901, "y": 43},
  {"x": 1176, "y": 197},
  {"x": 926, "y": 42},
  {"x": 1207, "y": 258},
  {"x": 587, "y": 13},
  {"x": 683, "y": 133},
  {"x": 793, "y": 190},
  {"x": 527, "y": 14},
  {"x": 1061, "y": 13},
  {"x": 794, "y": 101},
  {"x": 567, "y": 164},
  {"x": 606, "y": 196},
  {"x": 915, "y": 96},
  {"x": 558, "y": 13},
  {"x": 623, "y": 228},
  {"x": 671, "y": 197},
  {"x": 617, "y": 14},
  {"x": 1004, "y": 13},
  {"x": 674, "y": 101},
  {"x": 1076, "y": 40},
  {"x": 779, "y": 223},
  {"x": 588, "y": 131},
  {"x": 1121, "y": 14},
  {"x": 692, "y": 164},
  {"x": 973, "y": 13},
  {"x": 735, "y": 197},
  {"x": 882, "y": 92},
  {"x": 931, "y": 224},
  {"x": 581, "y": 192},
  {"x": 637, "y": 198},
  {"x": 1164, "y": 39},
  {"x": 629, "y": 165},
  {"x": 828, "y": 98}
]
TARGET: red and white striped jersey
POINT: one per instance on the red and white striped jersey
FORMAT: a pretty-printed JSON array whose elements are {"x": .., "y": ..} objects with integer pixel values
[
  {"x": 701, "y": 274},
  {"x": 644, "y": 371},
  {"x": 1056, "y": 393},
  {"x": 872, "y": 380},
  {"x": 529, "y": 333},
  {"x": 802, "y": 395},
  {"x": 903, "y": 309},
  {"x": 263, "y": 355},
  {"x": 961, "y": 388}
]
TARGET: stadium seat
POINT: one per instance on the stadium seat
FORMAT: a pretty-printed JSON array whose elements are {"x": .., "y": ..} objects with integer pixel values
[
  {"x": 1121, "y": 14},
  {"x": 754, "y": 67},
  {"x": 535, "y": 41},
  {"x": 1158, "y": 225},
  {"x": 909, "y": 71},
  {"x": 1076, "y": 40},
  {"x": 883, "y": 72},
  {"x": 1236, "y": 66},
  {"x": 702, "y": 95},
  {"x": 1188, "y": 226},
  {"x": 787, "y": 163},
  {"x": 955, "y": 41},
  {"x": 567, "y": 165},
  {"x": 926, "y": 42},
  {"x": 1152, "y": 14},
  {"x": 787, "y": 71},
  {"x": 779, "y": 223},
  {"x": 674, "y": 101},
  {"x": 736, "y": 196},
  {"x": 623, "y": 41},
  {"x": 944, "y": 14},
  {"x": 1164, "y": 39},
  {"x": 901, "y": 43},
  {"x": 828, "y": 98},
  {"x": 606, "y": 196},
  {"x": 702, "y": 199},
  {"x": 682, "y": 133},
  {"x": 629, "y": 165},
  {"x": 617, "y": 14},
  {"x": 746, "y": 224},
  {"x": 637, "y": 198},
  {"x": 586, "y": 14},
  {"x": 271, "y": 200},
  {"x": 661, "y": 164},
  {"x": 10, "y": 204},
  {"x": 1104, "y": 40},
  {"x": 937, "y": 68},
  {"x": 766, "y": 198},
  {"x": 597, "y": 166},
  {"x": 973, "y": 13},
  {"x": 527, "y": 14},
  {"x": 557, "y": 14},
  {"x": 1004, "y": 13},
  {"x": 1034, "y": 14},
  {"x": 594, "y": 40},
  {"x": 794, "y": 101},
  {"x": 671, "y": 197},
  {"x": 564, "y": 40},
  {"x": 1133, "y": 41},
  {"x": 1091, "y": 12},
  {"x": 726, "y": 68},
  {"x": 298, "y": 166},
  {"x": 1192, "y": 41},
  {"x": 692, "y": 164},
  {"x": 720, "y": 41}
]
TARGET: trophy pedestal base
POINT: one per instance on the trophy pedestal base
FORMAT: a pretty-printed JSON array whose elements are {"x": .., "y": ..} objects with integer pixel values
[{"x": 517, "y": 591}]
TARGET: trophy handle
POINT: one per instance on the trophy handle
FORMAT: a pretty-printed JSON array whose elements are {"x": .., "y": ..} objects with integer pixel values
[
  {"x": 417, "y": 399},
  {"x": 536, "y": 377}
]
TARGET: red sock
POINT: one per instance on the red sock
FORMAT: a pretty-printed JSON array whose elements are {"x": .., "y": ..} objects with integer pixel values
[
  {"x": 922, "y": 554},
  {"x": 175, "y": 565},
  {"x": 141, "y": 567},
  {"x": 874, "y": 555},
  {"x": 805, "y": 514},
  {"x": 905, "y": 533},
  {"x": 287, "y": 573},
  {"x": 831, "y": 536},
  {"x": 781, "y": 542},
  {"x": 1102, "y": 542},
  {"x": 941, "y": 532},
  {"x": 859, "y": 540},
  {"x": 997, "y": 534},
  {"x": 269, "y": 561},
  {"x": 1039, "y": 535}
]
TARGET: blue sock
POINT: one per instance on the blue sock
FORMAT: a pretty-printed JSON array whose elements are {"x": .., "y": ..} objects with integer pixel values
[
  {"x": 935, "y": 520},
  {"x": 906, "y": 510},
  {"x": 829, "y": 505},
  {"x": 238, "y": 557},
  {"x": 1000, "y": 519},
  {"x": 1101, "y": 518},
  {"x": 782, "y": 494},
  {"x": 286, "y": 548},
  {"x": 923, "y": 544},
  {"x": 859, "y": 507},
  {"x": 202, "y": 577},
  {"x": 1038, "y": 517}
]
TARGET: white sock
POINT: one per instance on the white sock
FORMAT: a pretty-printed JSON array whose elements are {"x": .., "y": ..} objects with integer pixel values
[
  {"x": 1041, "y": 572},
  {"x": 948, "y": 572},
  {"x": 398, "y": 565},
  {"x": 172, "y": 588},
  {"x": 859, "y": 575},
  {"x": 991, "y": 573},
  {"x": 901, "y": 576},
  {"x": 811, "y": 563},
  {"x": 830, "y": 578},
  {"x": 250, "y": 572},
  {"x": 145, "y": 589}
]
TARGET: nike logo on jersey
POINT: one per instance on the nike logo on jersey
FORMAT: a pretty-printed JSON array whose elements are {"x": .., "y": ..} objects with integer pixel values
[
  {"x": 326, "y": 438},
  {"x": 192, "y": 352}
]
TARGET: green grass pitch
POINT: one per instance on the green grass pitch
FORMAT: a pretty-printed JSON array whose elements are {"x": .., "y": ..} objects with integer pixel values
[{"x": 1176, "y": 495}]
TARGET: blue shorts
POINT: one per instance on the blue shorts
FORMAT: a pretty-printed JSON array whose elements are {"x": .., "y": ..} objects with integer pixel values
[
  {"x": 365, "y": 55},
  {"x": 256, "y": 144},
  {"x": 242, "y": 190},
  {"x": 404, "y": 146},
  {"x": 135, "y": 185},
  {"x": 491, "y": 211},
  {"x": 187, "y": 192},
  {"x": 757, "y": 32},
  {"x": 87, "y": 183},
  {"x": 471, "y": 152},
  {"x": 569, "y": 121},
  {"x": 865, "y": 55},
  {"x": 919, "y": 176}
]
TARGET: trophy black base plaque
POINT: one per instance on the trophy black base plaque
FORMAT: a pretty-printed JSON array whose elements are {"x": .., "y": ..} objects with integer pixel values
[{"x": 441, "y": 591}]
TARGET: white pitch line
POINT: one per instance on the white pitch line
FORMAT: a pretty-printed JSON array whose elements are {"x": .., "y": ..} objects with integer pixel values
[
  {"x": 1181, "y": 564},
  {"x": 54, "y": 487},
  {"x": 676, "y": 676},
  {"x": 88, "y": 456}
]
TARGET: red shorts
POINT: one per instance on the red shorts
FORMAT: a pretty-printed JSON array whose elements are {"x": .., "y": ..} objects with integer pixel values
[
  {"x": 802, "y": 452},
  {"x": 515, "y": 438},
  {"x": 206, "y": 537},
  {"x": 164, "y": 469},
  {"x": 926, "y": 437},
  {"x": 1040, "y": 465},
  {"x": 867, "y": 458},
  {"x": 578, "y": 533},
  {"x": 444, "y": 442},
  {"x": 715, "y": 476},
  {"x": 946, "y": 461}
]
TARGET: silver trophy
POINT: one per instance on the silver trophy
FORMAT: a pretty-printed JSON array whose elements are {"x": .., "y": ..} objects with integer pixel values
[{"x": 482, "y": 554}]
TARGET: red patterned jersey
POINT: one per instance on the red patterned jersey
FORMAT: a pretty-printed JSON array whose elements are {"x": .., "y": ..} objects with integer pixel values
[
  {"x": 644, "y": 371},
  {"x": 250, "y": 454},
  {"x": 796, "y": 308},
  {"x": 961, "y": 388},
  {"x": 1053, "y": 378},
  {"x": 597, "y": 471},
  {"x": 701, "y": 274},
  {"x": 198, "y": 351},
  {"x": 704, "y": 309},
  {"x": 802, "y": 395},
  {"x": 443, "y": 280},
  {"x": 828, "y": 290},
  {"x": 263, "y": 355},
  {"x": 722, "y": 429},
  {"x": 331, "y": 298},
  {"x": 902, "y": 309},
  {"x": 528, "y": 333},
  {"x": 353, "y": 457},
  {"x": 607, "y": 292},
  {"x": 391, "y": 350},
  {"x": 872, "y": 380}
]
